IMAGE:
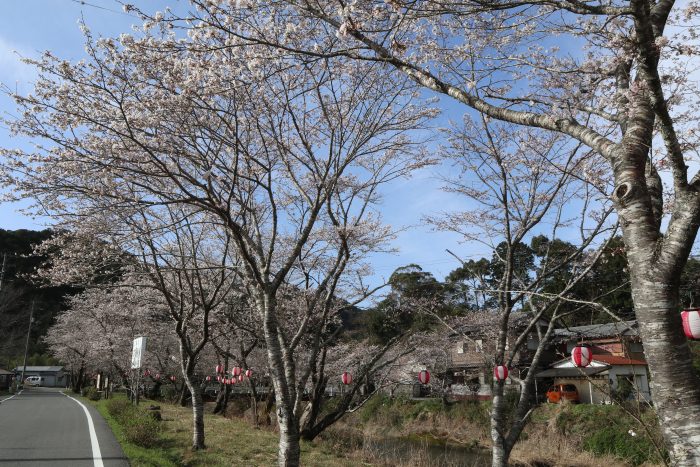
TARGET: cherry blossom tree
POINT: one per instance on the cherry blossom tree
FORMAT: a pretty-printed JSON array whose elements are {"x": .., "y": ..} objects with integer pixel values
[
  {"x": 272, "y": 150},
  {"x": 528, "y": 184},
  {"x": 613, "y": 75},
  {"x": 95, "y": 332},
  {"x": 176, "y": 256}
]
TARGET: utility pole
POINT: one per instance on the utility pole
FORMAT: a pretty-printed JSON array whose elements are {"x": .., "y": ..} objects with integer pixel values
[
  {"x": 2, "y": 271},
  {"x": 26, "y": 344}
]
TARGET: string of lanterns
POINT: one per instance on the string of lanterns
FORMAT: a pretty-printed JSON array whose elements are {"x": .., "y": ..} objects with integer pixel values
[
  {"x": 237, "y": 375},
  {"x": 581, "y": 357}
]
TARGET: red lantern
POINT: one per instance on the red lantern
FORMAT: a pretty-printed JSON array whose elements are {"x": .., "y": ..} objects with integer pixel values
[
  {"x": 208, "y": 378},
  {"x": 172, "y": 378},
  {"x": 233, "y": 380},
  {"x": 219, "y": 368},
  {"x": 500, "y": 373},
  {"x": 236, "y": 371},
  {"x": 240, "y": 378},
  {"x": 157, "y": 376},
  {"x": 581, "y": 356},
  {"x": 248, "y": 373},
  {"x": 346, "y": 378},
  {"x": 691, "y": 323},
  {"x": 424, "y": 376},
  {"x": 146, "y": 373}
]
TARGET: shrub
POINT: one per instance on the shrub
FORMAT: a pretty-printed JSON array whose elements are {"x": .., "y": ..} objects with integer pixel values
[
  {"x": 142, "y": 429},
  {"x": 615, "y": 441},
  {"x": 93, "y": 394},
  {"x": 475, "y": 412},
  {"x": 139, "y": 426},
  {"x": 117, "y": 406},
  {"x": 606, "y": 430}
]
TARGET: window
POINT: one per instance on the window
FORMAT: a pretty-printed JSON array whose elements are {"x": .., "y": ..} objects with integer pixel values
[
  {"x": 479, "y": 346},
  {"x": 462, "y": 347}
]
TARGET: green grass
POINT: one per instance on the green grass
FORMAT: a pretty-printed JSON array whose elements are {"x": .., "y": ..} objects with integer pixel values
[
  {"x": 229, "y": 442},
  {"x": 605, "y": 429},
  {"x": 398, "y": 411},
  {"x": 139, "y": 456}
]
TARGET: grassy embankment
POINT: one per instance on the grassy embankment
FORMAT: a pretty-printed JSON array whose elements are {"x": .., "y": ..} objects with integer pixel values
[
  {"x": 229, "y": 441},
  {"x": 582, "y": 435}
]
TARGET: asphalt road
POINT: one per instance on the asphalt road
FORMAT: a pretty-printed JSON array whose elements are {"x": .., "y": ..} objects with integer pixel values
[{"x": 43, "y": 427}]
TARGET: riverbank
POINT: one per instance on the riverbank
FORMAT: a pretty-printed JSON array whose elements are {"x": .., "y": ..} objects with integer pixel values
[
  {"x": 572, "y": 435},
  {"x": 394, "y": 432}
]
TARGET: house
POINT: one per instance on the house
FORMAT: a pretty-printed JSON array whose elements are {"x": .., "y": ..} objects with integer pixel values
[
  {"x": 469, "y": 369},
  {"x": 5, "y": 379},
  {"x": 53, "y": 376},
  {"x": 618, "y": 368}
]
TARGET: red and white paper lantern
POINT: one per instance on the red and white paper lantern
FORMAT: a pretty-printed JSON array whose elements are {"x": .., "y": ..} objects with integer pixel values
[
  {"x": 240, "y": 378},
  {"x": 146, "y": 373},
  {"x": 208, "y": 378},
  {"x": 424, "y": 376},
  {"x": 581, "y": 356},
  {"x": 219, "y": 368},
  {"x": 691, "y": 323},
  {"x": 157, "y": 376},
  {"x": 248, "y": 373},
  {"x": 236, "y": 371},
  {"x": 346, "y": 378},
  {"x": 172, "y": 378},
  {"x": 500, "y": 373}
]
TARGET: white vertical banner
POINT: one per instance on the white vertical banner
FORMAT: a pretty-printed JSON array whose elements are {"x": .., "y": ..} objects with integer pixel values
[{"x": 137, "y": 352}]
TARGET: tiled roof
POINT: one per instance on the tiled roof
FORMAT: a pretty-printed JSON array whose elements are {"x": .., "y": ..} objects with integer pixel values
[
  {"x": 39, "y": 368},
  {"x": 621, "y": 328},
  {"x": 571, "y": 372},
  {"x": 617, "y": 360}
]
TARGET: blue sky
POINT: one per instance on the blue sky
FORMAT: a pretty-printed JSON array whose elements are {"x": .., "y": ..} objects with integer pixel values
[{"x": 28, "y": 27}]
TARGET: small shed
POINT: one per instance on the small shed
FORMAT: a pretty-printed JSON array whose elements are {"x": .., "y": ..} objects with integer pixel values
[
  {"x": 5, "y": 379},
  {"x": 606, "y": 376},
  {"x": 591, "y": 382},
  {"x": 53, "y": 376}
]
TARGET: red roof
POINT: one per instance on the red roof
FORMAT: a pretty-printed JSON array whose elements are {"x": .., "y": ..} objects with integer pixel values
[{"x": 616, "y": 360}]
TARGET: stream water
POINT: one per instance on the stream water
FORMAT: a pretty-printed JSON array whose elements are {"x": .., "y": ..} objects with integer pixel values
[{"x": 421, "y": 451}]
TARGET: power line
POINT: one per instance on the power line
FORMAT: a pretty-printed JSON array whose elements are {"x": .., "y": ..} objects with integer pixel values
[{"x": 121, "y": 12}]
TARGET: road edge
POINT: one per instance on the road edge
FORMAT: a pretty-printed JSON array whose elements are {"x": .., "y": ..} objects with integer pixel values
[{"x": 96, "y": 453}]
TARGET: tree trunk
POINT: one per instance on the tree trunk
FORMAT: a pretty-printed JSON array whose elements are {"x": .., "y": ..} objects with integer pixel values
[
  {"x": 675, "y": 386},
  {"x": 289, "y": 448},
  {"x": 313, "y": 409},
  {"x": 197, "y": 417},
  {"x": 254, "y": 400},
  {"x": 499, "y": 450},
  {"x": 221, "y": 400},
  {"x": 77, "y": 381},
  {"x": 184, "y": 393}
]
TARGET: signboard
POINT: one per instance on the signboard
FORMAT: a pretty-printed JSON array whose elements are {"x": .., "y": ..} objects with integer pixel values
[{"x": 137, "y": 352}]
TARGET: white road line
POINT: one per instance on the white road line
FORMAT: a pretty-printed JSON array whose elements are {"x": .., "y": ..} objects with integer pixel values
[
  {"x": 96, "y": 454},
  {"x": 8, "y": 398}
]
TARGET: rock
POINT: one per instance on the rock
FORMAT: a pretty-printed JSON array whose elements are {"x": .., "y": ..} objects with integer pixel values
[{"x": 154, "y": 411}]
